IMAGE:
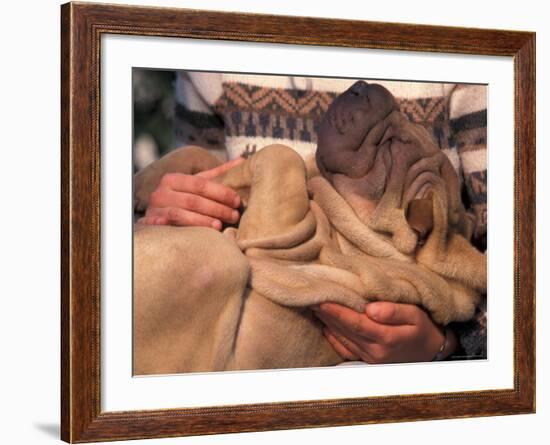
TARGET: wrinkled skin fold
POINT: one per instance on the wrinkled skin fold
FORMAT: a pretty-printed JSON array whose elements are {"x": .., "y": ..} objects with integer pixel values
[{"x": 376, "y": 216}]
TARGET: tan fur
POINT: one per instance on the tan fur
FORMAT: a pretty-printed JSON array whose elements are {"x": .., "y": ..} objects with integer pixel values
[{"x": 207, "y": 301}]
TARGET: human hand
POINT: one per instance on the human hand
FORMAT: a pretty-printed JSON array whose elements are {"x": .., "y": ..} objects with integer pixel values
[
  {"x": 385, "y": 333},
  {"x": 193, "y": 200}
]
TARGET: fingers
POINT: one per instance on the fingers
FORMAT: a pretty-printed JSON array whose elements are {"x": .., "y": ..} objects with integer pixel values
[
  {"x": 197, "y": 185},
  {"x": 179, "y": 217},
  {"x": 212, "y": 173},
  {"x": 187, "y": 200},
  {"x": 194, "y": 203},
  {"x": 385, "y": 333},
  {"x": 194, "y": 200},
  {"x": 339, "y": 346},
  {"x": 353, "y": 325},
  {"x": 394, "y": 313}
]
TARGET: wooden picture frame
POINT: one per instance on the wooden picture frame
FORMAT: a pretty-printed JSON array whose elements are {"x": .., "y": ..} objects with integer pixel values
[{"x": 82, "y": 26}]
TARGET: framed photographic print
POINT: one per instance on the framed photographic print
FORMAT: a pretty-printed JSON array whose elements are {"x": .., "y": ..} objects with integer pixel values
[{"x": 277, "y": 222}]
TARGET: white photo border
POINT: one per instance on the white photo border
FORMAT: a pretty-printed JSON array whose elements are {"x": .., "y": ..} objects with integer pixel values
[{"x": 120, "y": 391}]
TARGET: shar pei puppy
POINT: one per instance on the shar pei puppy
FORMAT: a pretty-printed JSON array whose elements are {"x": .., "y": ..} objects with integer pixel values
[{"x": 376, "y": 215}]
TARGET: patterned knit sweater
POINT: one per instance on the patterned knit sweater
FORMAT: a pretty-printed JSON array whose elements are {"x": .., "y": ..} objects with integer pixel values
[{"x": 235, "y": 115}]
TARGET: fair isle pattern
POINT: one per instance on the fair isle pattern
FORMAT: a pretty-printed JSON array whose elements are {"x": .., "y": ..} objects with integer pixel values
[
  {"x": 303, "y": 103},
  {"x": 254, "y": 115},
  {"x": 335, "y": 85},
  {"x": 264, "y": 125},
  {"x": 243, "y": 97},
  {"x": 431, "y": 112},
  {"x": 469, "y": 136},
  {"x": 423, "y": 110},
  {"x": 251, "y": 111},
  {"x": 476, "y": 189}
]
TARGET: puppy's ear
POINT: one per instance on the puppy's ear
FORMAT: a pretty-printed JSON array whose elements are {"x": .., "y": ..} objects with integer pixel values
[{"x": 420, "y": 217}]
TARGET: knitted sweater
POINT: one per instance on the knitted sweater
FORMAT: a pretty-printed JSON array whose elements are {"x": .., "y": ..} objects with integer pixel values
[{"x": 235, "y": 115}]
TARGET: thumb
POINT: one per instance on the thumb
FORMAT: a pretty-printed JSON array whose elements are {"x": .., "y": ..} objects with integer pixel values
[{"x": 393, "y": 313}]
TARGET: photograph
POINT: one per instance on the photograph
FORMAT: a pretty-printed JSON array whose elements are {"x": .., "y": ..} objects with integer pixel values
[
  {"x": 284, "y": 221},
  {"x": 277, "y": 222}
]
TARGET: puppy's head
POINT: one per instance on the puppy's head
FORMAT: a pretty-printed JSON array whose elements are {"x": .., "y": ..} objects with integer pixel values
[
  {"x": 387, "y": 168},
  {"x": 343, "y": 144}
]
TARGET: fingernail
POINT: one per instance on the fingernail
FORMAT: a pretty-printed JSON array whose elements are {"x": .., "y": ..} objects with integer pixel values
[
  {"x": 237, "y": 202},
  {"x": 216, "y": 225},
  {"x": 235, "y": 215},
  {"x": 373, "y": 310}
]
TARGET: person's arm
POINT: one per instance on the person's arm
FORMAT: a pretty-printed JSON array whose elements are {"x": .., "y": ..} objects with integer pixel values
[
  {"x": 195, "y": 200},
  {"x": 468, "y": 134},
  {"x": 385, "y": 333}
]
